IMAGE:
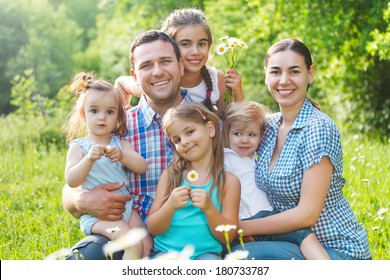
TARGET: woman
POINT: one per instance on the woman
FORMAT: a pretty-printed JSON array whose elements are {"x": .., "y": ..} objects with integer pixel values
[{"x": 300, "y": 166}]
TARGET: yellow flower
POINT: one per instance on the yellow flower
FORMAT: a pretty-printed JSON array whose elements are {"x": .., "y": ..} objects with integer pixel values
[{"x": 192, "y": 176}]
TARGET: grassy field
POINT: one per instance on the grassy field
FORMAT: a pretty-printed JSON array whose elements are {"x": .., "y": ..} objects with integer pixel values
[{"x": 34, "y": 223}]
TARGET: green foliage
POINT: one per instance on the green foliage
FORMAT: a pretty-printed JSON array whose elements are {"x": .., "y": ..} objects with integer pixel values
[
  {"x": 25, "y": 97},
  {"x": 381, "y": 44},
  {"x": 12, "y": 38},
  {"x": 349, "y": 41}
]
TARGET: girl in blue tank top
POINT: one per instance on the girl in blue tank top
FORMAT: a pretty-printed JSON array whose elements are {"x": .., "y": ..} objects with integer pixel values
[{"x": 194, "y": 194}]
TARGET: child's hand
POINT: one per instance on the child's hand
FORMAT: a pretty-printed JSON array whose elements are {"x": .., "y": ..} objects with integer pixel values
[
  {"x": 233, "y": 81},
  {"x": 179, "y": 197},
  {"x": 96, "y": 152},
  {"x": 200, "y": 198},
  {"x": 114, "y": 153}
]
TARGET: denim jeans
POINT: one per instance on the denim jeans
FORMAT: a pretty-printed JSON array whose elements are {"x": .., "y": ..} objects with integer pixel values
[
  {"x": 282, "y": 250},
  {"x": 271, "y": 250},
  {"x": 91, "y": 248},
  {"x": 296, "y": 236}
]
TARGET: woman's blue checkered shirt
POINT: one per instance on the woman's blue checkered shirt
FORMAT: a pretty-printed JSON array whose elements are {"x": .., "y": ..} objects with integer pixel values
[{"x": 312, "y": 136}]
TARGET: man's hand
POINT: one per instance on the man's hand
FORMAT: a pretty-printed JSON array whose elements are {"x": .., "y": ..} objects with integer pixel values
[{"x": 102, "y": 203}]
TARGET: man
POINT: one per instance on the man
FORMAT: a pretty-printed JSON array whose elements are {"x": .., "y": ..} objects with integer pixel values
[{"x": 157, "y": 68}]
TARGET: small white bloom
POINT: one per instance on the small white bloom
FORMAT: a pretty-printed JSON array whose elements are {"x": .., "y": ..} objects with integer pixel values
[
  {"x": 382, "y": 211},
  {"x": 221, "y": 49},
  {"x": 192, "y": 176},
  {"x": 184, "y": 254},
  {"x": 131, "y": 238},
  {"x": 237, "y": 255},
  {"x": 113, "y": 230},
  {"x": 233, "y": 41},
  {"x": 225, "y": 228},
  {"x": 107, "y": 148},
  {"x": 58, "y": 255}
]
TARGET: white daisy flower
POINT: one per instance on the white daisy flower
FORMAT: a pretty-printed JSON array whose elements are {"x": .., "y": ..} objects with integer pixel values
[
  {"x": 192, "y": 176},
  {"x": 131, "y": 238},
  {"x": 221, "y": 49},
  {"x": 225, "y": 228},
  {"x": 113, "y": 230},
  {"x": 237, "y": 255},
  {"x": 184, "y": 254},
  {"x": 58, "y": 255},
  {"x": 233, "y": 41}
]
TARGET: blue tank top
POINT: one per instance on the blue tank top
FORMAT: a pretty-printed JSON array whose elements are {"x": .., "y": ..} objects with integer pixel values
[{"x": 189, "y": 226}]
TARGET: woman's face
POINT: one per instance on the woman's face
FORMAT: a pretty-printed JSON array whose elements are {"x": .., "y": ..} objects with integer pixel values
[{"x": 287, "y": 78}]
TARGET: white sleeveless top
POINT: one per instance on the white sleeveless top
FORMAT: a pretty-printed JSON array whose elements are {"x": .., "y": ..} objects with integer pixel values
[
  {"x": 252, "y": 199},
  {"x": 198, "y": 93}
]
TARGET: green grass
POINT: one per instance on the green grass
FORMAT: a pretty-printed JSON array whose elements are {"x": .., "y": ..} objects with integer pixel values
[{"x": 34, "y": 223}]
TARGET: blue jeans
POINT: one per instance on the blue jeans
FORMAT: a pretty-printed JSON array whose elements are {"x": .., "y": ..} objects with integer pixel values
[
  {"x": 91, "y": 248},
  {"x": 282, "y": 250},
  {"x": 271, "y": 250},
  {"x": 296, "y": 236}
]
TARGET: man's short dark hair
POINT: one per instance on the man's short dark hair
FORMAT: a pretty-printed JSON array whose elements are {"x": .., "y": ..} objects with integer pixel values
[{"x": 151, "y": 36}]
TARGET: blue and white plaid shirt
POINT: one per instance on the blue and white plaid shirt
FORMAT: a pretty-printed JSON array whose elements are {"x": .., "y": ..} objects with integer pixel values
[
  {"x": 146, "y": 135},
  {"x": 312, "y": 136}
]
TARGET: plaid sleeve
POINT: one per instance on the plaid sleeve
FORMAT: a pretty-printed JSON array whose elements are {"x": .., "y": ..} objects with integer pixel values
[{"x": 322, "y": 140}]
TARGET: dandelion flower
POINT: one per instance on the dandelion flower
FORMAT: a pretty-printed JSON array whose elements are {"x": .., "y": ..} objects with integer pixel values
[
  {"x": 192, "y": 176},
  {"x": 225, "y": 228},
  {"x": 131, "y": 238},
  {"x": 237, "y": 255}
]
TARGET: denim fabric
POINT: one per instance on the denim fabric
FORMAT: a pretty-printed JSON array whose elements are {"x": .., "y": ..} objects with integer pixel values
[
  {"x": 271, "y": 250},
  {"x": 296, "y": 236},
  {"x": 91, "y": 248},
  {"x": 337, "y": 255}
]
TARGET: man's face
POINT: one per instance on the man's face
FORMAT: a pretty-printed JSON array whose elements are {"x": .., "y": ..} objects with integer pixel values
[{"x": 157, "y": 71}]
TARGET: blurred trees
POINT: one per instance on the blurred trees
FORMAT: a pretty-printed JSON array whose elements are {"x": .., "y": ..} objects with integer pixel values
[{"x": 349, "y": 41}]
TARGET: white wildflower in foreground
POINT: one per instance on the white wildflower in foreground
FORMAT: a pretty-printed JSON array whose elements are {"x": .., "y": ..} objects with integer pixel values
[
  {"x": 192, "y": 176},
  {"x": 225, "y": 228},
  {"x": 237, "y": 255},
  {"x": 380, "y": 215},
  {"x": 58, "y": 255},
  {"x": 113, "y": 230},
  {"x": 185, "y": 254},
  {"x": 131, "y": 238}
]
